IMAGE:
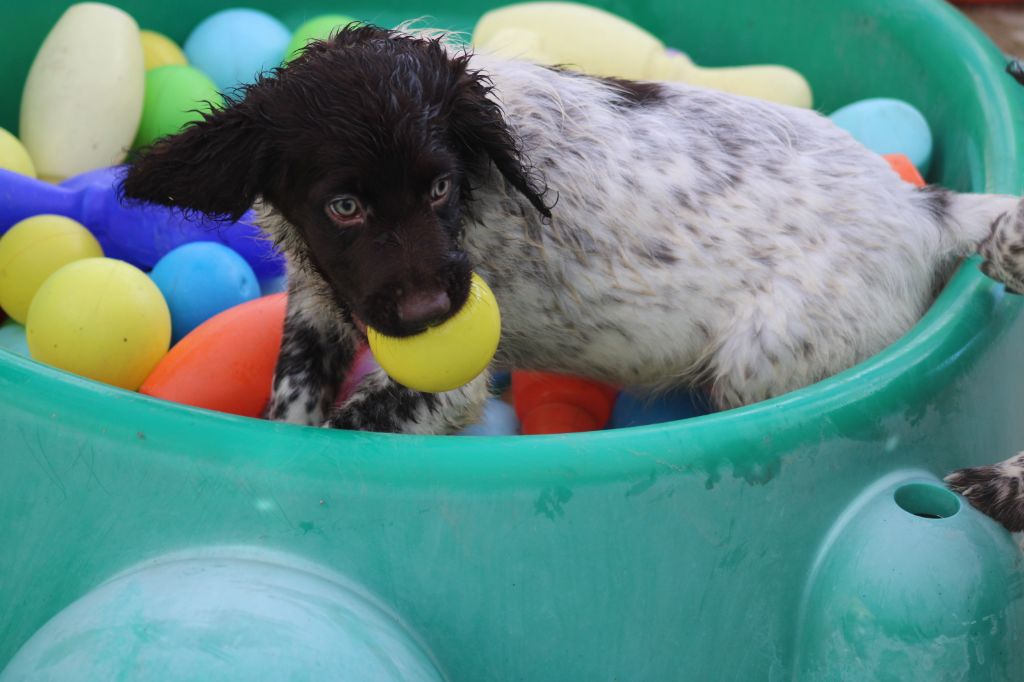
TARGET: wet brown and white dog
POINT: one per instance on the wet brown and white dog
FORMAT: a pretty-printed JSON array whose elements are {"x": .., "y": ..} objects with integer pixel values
[{"x": 642, "y": 234}]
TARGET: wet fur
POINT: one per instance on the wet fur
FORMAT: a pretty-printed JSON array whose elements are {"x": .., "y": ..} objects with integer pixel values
[{"x": 644, "y": 234}]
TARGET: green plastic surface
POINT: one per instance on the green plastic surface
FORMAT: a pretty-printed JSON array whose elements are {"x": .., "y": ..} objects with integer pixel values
[
  {"x": 764, "y": 543},
  {"x": 224, "y": 614}
]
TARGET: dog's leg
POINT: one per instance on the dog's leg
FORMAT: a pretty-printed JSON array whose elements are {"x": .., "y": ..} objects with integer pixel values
[
  {"x": 380, "y": 404},
  {"x": 1003, "y": 250},
  {"x": 763, "y": 352},
  {"x": 315, "y": 353},
  {"x": 996, "y": 490}
]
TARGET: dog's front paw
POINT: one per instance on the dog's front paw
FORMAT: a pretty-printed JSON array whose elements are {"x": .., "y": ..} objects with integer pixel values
[
  {"x": 997, "y": 490},
  {"x": 1014, "y": 285},
  {"x": 380, "y": 404},
  {"x": 386, "y": 409},
  {"x": 1003, "y": 251}
]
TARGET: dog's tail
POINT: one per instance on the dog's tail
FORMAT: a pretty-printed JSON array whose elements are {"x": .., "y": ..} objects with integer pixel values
[
  {"x": 989, "y": 224},
  {"x": 996, "y": 490}
]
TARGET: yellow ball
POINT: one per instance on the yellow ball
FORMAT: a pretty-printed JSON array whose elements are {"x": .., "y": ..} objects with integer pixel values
[
  {"x": 159, "y": 50},
  {"x": 14, "y": 156},
  {"x": 101, "y": 318},
  {"x": 33, "y": 250},
  {"x": 446, "y": 356}
]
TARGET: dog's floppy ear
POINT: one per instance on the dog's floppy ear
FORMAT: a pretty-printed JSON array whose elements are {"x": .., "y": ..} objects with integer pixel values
[
  {"x": 478, "y": 125},
  {"x": 215, "y": 166}
]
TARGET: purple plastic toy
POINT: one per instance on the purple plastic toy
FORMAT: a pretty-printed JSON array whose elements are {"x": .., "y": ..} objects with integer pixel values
[{"x": 138, "y": 233}]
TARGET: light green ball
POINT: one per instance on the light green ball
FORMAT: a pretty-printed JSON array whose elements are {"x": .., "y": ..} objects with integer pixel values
[
  {"x": 317, "y": 28},
  {"x": 173, "y": 95}
]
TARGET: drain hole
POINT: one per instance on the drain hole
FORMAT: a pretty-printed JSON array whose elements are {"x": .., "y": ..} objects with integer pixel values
[{"x": 927, "y": 500}]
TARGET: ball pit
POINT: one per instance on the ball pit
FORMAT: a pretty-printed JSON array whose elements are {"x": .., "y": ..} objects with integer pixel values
[
  {"x": 159, "y": 50},
  {"x": 13, "y": 155},
  {"x": 575, "y": 35},
  {"x": 905, "y": 168},
  {"x": 548, "y": 403},
  {"x": 633, "y": 553},
  {"x": 175, "y": 95},
  {"x": 233, "y": 46},
  {"x": 99, "y": 318},
  {"x": 33, "y": 250},
  {"x": 209, "y": 368},
  {"x": 202, "y": 279},
  {"x": 83, "y": 96},
  {"x": 138, "y": 233},
  {"x": 317, "y": 28},
  {"x": 889, "y": 126}
]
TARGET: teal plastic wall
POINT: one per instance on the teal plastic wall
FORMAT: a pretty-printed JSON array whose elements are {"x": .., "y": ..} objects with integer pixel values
[{"x": 758, "y": 544}]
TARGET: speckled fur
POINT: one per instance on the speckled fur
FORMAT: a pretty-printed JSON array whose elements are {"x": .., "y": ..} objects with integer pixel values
[
  {"x": 695, "y": 237},
  {"x": 997, "y": 490},
  {"x": 705, "y": 237}
]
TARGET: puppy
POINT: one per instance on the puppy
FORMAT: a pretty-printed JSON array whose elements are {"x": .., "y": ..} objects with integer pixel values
[{"x": 643, "y": 234}]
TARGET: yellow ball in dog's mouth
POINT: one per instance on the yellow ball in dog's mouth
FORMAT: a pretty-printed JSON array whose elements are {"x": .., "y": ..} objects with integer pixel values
[{"x": 446, "y": 356}]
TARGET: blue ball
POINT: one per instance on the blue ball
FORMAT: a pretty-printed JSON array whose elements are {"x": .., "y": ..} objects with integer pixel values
[
  {"x": 632, "y": 409},
  {"x": 888, "y": 126},
  {"x": 501, "y": 381},
  {"x": 200, "y": 280},
  {"x": 233, "y": 46},
  {"x": 499, "y": 419}
]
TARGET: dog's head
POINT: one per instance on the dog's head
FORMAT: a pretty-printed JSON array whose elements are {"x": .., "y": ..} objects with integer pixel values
[{"x": 367, "y": 145}]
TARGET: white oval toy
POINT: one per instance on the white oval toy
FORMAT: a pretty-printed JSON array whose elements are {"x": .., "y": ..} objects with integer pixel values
[
  {"x": 578, "y": 36},
  {"x": 83, "y": 96}
]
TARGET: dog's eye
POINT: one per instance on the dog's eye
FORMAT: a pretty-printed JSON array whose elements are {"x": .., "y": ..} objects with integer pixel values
[
  {"x": 344, "y": 207},
  {"x": 441, "y": 188}
]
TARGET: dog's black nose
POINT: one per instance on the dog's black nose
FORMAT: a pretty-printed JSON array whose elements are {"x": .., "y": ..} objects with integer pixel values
[{"x": 423, "y": 307}]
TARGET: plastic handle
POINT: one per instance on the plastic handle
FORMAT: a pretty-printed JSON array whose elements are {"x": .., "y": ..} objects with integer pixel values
[
  {"x": 23, "y": 197},
  {"x": 138, "y": 233}
]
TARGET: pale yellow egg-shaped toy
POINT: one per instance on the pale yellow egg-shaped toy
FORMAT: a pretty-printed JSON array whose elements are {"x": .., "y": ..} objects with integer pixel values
[
  {"x": 446, "y": 356},
  {"x": 14, "y": 156},
  {"x": 159, "y": 50},
  {"x": 100, "y": 318},
  {"x": 602, "y": 44},
  {"x": 83, "y": 96},
  {"x": 34, "y": 249}
]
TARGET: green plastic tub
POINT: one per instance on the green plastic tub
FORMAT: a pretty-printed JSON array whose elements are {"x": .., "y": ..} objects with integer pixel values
[{"x": 804, "y": 538}]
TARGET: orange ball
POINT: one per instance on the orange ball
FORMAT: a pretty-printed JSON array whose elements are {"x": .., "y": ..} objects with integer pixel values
[
  {"x": 905, "y": 168},
  {"x": 550, "y": 403},
  {"x": 226, "y": 363}
]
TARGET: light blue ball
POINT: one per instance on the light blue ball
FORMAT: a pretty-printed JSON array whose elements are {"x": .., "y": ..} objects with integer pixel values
[
  {"x": 499, "y": 419},
  {"x": 233, "y": 46},
  {"x": 200, "y": 280},
  {"x": 12, "y": 338},
  {"x": 888, "y": 126}
]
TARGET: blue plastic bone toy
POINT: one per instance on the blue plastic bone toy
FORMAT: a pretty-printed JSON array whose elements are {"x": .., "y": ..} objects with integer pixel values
[{"x": 138, "y": 233}]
